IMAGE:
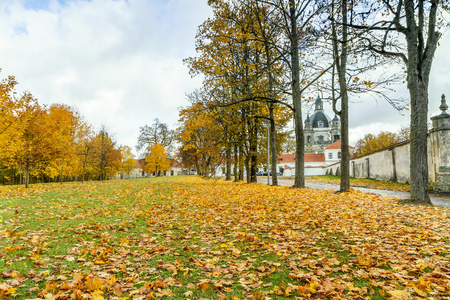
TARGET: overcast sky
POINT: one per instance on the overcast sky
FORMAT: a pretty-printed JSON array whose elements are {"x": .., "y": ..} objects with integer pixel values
[{"x": 119, "y": 62}]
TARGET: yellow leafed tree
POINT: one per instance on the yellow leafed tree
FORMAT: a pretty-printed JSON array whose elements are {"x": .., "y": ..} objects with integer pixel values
[
  {"x": 371, "y": 143},
  {"x": 157, "y": 160},
  {"x": 201, "y": 137},
  {"x": 128, "y": 160}
]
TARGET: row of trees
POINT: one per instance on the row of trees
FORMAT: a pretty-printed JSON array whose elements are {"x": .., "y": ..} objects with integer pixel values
[
  {"x": 42, "y": 144},
  {"x": 262, "y": 58}
]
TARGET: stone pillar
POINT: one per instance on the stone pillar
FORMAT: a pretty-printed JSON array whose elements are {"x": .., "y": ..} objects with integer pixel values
[{"x": 440, "y": 147}]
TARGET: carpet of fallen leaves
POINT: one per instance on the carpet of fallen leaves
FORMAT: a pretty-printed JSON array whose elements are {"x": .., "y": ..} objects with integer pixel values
[
  {"x": 190, "y": 238},
  {"x": 364, "y": 182}
]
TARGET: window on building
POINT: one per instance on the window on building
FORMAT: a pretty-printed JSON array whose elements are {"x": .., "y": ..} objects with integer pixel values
[
  {"x": 320, "y": 124},
  {"x": 308, "y": 139},
  {"x": 339, "y": 154},
  {"x": 321, "y": 138},
  {"x": 330, "y": 155}
]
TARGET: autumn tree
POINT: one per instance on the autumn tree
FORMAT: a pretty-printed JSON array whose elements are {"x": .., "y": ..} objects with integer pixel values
[
  {"x": 297, "y": 25},
  {"x": 33, "y": 148},
  {"x": 62, "y": 122},
  {"x": 157, "y": 133},
  {"x": 240, "y": 77},
  {"x": 200, "y": 136},
  {"x": 11, "y": 108},
  {"x": 353, "y": 71},
  {"x": 267, "y": 32},
  {"x": 106, "y": 157},
  {"x": 340, "y": 55},
  {"x": 84, "y": 147},
  {"x": 371, "y": 143},
  {"x": 9, "y": 104},
  {"x": 157, "y": 160},
  {"x": 128, "y": 160}
]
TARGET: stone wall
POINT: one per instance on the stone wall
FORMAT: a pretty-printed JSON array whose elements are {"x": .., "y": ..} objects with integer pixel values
[{"x": 389, "y": 164}]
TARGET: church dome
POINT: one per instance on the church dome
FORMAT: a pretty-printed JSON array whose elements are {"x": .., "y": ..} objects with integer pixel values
[{"x": 319, "y": 119}]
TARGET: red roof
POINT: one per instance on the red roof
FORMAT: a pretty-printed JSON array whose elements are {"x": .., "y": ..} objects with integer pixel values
[
  {"x": 286, "y": 158},
  {"x": 139, "y": 164},
  {"x": 337, "y": 145},
  {"x": 309, "y": 157},
  {"x": 175, "y": 164},
  {"x": 313, "y": 157}
]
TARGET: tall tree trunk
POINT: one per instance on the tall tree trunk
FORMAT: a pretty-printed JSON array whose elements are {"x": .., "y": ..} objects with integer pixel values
[
  {"x": 83, "y": 170},
  {"x": 61, "y": 175},
  {"x": 236, "y": 157},
  {"x": 247, "y": 169},
  {"x": 27, "y": 174},
  {"x": 272, "y": 138},
  {"x": 340, "y": 49},
  {"x": 418, "y": 146},
  {"x": 345, "y": 153},
  {"x": 296, "y": 99},
  {"x": 418, "y": 66},
  {"x": 207, "y": 162},
  {"x": 253, "y": 150},
  {"x": 273, "y": 146},
  {"x": 228, "y": 159},
  {"x": 241, "y": 161}
]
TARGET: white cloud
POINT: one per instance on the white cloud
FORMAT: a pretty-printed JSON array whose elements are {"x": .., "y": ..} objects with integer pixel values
[{"x": 120, "y": 61}]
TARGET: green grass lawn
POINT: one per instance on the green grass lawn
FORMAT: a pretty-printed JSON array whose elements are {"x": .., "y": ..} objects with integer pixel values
[{"x": 190, "y": 238}]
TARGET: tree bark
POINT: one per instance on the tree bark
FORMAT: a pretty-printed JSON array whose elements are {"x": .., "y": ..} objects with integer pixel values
[
  {"x": 340, "y": 60},
  {"x": 253, "y": 149},
  {"x": 241, "y": 161},
  {"x": 236, "y": 157},
  {"x": 228, "y": 159},
  {"x": 418, "y": 146},
  {"x": 345, "y": 153},
  {"x": 273, "y": 145},
  {"x": 27, "y": 175},
  {"x": 296, "y": 99},
  {"x": 418, "y": 65}
]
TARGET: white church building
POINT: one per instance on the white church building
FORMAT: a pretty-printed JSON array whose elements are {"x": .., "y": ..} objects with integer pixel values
[{"x": 320, "y": 130}]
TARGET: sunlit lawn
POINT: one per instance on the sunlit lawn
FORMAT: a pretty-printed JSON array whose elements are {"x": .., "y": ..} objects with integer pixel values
[{"x": 186, "y": 237}]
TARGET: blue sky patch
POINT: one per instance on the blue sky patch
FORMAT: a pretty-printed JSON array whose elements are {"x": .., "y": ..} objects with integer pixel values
[
  {"x": 42, "y": 4},
  {"x": 20, "y": 29}
]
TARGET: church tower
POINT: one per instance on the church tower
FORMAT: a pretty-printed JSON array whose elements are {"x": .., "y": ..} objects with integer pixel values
[
  {"x": 309, "y": 134},
  {"x": 336, "y": 129},
  {"x": 318, "y": 105},
  {"x": 320, "y": 131}
]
